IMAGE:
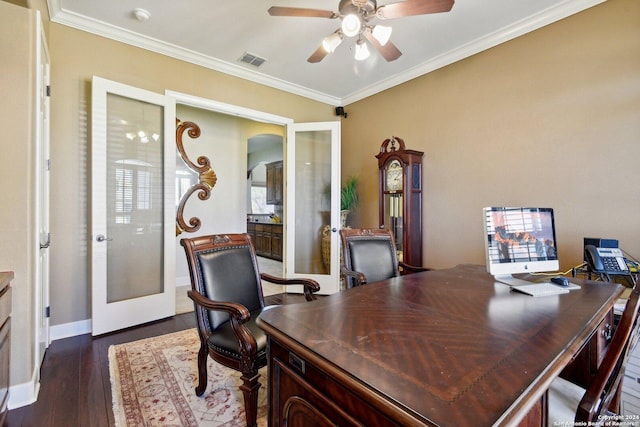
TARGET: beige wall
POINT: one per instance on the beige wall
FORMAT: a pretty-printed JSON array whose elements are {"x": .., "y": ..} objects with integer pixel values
[
  {"x": 17, "y": 220},
  {"x": 549, "y": 119}
]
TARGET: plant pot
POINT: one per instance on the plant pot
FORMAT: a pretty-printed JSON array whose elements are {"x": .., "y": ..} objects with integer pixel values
[{"x": 326, "y": 239}]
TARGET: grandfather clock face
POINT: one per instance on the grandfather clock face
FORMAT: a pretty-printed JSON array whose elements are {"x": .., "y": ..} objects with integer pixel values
[
  {"x": 393, "y": 205},
  {"x": 393, "y": 176}
]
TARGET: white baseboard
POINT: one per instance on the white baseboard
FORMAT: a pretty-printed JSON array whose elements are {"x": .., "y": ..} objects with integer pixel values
[
  {"x": 72, "y": 329},
  {"x": 24, "y": 394},
  {"x": 27, "y": 393},
  {"x": 66, "y": 330}
]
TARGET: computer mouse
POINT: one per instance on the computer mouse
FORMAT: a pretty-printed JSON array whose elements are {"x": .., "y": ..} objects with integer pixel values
[{"x": 561, "y": 281}]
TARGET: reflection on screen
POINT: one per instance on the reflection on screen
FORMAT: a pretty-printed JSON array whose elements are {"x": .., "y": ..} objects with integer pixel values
[
  {"x": 522, "y": 235},
  {"x": 520, "y": 240}
]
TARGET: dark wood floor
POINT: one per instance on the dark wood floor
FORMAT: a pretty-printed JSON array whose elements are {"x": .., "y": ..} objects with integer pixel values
[{"x": 75, "y": 387}]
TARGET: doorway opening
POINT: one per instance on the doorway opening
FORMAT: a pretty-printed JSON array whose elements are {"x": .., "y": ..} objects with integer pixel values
[
  {"x": 318, "y": 147},
  {"x": 238, "y": 148}
]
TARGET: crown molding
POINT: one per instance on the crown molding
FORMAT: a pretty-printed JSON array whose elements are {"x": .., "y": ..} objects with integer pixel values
[
  {"x": 510, "y": 32},
  {"x": 84, "y": 23}
]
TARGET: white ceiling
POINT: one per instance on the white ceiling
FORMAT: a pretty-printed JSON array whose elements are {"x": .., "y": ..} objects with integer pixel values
[{"x": 216, "y": 33}]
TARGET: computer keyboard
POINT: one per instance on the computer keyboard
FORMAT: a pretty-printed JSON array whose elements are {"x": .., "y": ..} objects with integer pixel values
[{"x": 540, "y": 289}]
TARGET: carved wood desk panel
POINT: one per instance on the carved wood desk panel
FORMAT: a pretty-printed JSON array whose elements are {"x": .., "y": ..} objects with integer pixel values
[{"x": 439, "y": 348}]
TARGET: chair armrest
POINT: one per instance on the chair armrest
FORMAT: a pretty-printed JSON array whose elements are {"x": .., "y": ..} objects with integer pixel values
[
  {"x": 358, "y": 278},
  {"x": 408, "y": 269},
  {"x": 238, "y": 314},
  {"x": 236, "y": 310},
  {"x": 310, "y": 285}
]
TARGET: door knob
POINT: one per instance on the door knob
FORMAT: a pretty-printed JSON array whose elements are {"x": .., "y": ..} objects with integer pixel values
[{"x": 102, "y": 238}]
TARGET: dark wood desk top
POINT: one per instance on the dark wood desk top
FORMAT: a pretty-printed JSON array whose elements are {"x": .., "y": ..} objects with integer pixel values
[{"x": 445, "y": 347}]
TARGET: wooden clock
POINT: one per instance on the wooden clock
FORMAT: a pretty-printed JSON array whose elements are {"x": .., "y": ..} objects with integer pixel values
[{"x": 400, "y": 187}]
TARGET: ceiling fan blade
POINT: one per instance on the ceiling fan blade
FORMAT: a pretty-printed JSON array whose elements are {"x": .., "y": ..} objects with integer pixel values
[
  {"x": 300, "y": 11},
  {"x": 318, "y": 55},
  {"x": 389, "y": 51},
  {"x": 413, "y": 7}
]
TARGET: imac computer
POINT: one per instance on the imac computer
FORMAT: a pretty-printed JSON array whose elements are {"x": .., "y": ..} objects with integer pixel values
[{"x": 519, "y": 240}]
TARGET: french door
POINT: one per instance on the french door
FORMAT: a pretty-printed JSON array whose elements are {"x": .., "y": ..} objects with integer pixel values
[
  {"x": 313, "y": 203},
  {"x": 133, "y": 210}
]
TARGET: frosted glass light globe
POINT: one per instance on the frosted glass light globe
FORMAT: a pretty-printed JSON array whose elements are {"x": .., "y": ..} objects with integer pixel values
[{"x": 351, "y": 25}]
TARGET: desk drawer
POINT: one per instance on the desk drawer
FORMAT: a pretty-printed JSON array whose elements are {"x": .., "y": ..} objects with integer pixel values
[
  {"x": 300, "y": 392},
  {"x": 583, "y": 367}
]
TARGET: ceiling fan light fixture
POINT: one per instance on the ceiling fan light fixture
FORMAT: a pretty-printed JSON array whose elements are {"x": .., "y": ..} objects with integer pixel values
[
  {"x": 362, "y": 51},
  {"x": 351, "y": 25},
  {"x": 331, "y": 42},
  {"x": 382, "y": 34}
]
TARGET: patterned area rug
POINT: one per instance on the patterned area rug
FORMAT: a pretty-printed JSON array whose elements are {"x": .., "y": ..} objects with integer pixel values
[{"x": 153, "y": 382}]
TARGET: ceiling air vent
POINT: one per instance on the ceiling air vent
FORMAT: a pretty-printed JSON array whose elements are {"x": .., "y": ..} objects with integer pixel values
[{"x": 251, "y": 59}]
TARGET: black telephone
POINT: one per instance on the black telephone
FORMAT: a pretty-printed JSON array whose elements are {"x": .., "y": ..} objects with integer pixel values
[{"x": 605, "y": 260}]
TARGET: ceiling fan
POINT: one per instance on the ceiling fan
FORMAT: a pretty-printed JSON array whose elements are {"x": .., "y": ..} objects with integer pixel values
[{"x": 355, "y": 16}]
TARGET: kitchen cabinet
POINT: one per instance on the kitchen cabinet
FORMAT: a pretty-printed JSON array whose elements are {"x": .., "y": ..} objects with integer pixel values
[
  {"x": 276, "y": 242},
  {"x": 274, "y": 183},
  {"x": 263, "y": 240},
  {"x": 267, "y": 239}
]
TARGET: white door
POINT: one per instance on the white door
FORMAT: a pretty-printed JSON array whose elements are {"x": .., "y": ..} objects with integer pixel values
[
  {"x": 42, "y": 194},
  {"x": 133, "y": 210},
  {"x": 313, "y": 203}
]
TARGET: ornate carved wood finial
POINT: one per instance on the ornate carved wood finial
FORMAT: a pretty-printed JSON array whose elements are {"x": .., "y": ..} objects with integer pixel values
[
  {"x": 206, "y": 177},
  {"x": 384, "y": 147}
]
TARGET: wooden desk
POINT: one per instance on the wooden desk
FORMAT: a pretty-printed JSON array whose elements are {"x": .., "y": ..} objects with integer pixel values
[{"x": 440, "y": 348}]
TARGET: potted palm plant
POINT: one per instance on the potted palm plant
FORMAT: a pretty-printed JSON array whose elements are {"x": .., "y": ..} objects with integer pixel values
[{"x": 348, "y": 198}]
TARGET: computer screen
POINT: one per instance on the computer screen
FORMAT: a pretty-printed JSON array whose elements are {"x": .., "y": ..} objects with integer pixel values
[{"x": 520, "y": 240}]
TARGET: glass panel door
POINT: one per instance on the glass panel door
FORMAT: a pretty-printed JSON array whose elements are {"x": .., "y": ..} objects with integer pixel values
[
  {"x": 313, "y": 188},
  {"x": 133, "y": 178}
]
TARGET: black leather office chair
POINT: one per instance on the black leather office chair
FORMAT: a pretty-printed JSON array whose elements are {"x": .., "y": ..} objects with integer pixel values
[
  {"x": 226, "y": 289},
  {"x": 369, "y": 255},
  {"x": 569, "y": 402}
]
